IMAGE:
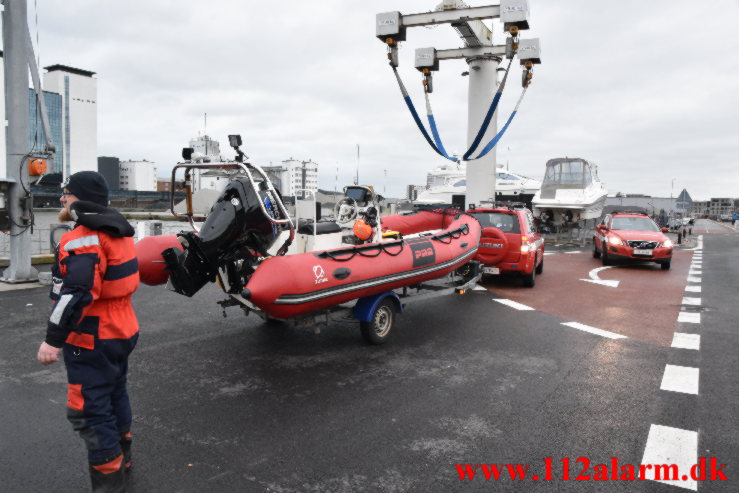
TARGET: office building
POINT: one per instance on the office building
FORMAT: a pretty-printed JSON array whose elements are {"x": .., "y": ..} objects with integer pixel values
[
  {"x": 78, "y": 91},
  {"x": 293, "y": 175},
  {"x": 138, "y": 175}
]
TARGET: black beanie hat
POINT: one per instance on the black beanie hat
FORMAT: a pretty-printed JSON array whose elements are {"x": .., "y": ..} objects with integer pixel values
[{"x": 90, "y": 186}]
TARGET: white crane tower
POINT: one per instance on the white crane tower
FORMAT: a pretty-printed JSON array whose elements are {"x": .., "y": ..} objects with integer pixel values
[{"x": 483, "y": 59}]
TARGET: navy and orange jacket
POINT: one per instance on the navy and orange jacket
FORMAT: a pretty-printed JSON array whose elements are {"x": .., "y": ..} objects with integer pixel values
[{"x": 95, "y": 274}]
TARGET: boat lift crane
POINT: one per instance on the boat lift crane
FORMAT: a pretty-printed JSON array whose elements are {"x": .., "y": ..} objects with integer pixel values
[{"x": 483, "y": 59}]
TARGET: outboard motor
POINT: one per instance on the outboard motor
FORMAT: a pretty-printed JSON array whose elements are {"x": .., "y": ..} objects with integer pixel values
[{"x": 235, "y": 235}]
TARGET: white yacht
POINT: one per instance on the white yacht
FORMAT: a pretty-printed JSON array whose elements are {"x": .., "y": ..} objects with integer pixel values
[
  {"x": 446, "y": 181},
  {"x": 571, "y": 192}
]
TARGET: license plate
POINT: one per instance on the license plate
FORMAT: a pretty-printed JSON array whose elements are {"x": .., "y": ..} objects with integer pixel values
[
  {"x": 643, "y": 252},
  {"x": 490, "y": 270}
]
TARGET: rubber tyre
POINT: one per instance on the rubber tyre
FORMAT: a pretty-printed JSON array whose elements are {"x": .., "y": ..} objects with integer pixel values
[
  {"x": 529, "y": 280},
  {"x": 377, "y": 331},
  {"x": 604, "y": 257},
  {"x": 596, "y": 252},
  {"x": 665, "y": 265},
  {"x": 540, "y": 267}
]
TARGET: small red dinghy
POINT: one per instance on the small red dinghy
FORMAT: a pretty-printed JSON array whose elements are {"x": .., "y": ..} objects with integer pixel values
[
  {"x": 292, "y": 285},
  {"x": 419, "y": 221}
]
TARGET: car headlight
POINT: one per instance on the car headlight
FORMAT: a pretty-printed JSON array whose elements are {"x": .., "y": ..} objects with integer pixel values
[
  {"x": 667, "y": 244},
  {"x": 615, "y": 240}
]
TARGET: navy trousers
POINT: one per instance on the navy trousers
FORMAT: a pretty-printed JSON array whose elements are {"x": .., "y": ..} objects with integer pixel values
[{"x": 97, "y": 401}]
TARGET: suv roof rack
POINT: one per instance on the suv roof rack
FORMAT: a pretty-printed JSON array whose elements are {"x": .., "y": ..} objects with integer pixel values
[{"x": 641, "y": 213}]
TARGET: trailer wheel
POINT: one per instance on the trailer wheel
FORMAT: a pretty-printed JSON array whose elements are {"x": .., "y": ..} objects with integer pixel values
[{"x": 377, "y": 330}]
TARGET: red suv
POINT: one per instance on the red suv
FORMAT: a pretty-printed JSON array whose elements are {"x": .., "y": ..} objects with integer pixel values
[
  {"x": 510, "y": 242},
  {"x": 631, "y": 236}
]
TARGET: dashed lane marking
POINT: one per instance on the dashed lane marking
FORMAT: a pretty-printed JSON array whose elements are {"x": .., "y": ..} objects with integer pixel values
[
  {"x": 593, "y": 330},
  {"x": 479, "y": 288},
  {"x": 667, "y": 445},
  {"x": 694, "y": 279},
  {"x": 682, "y": 379},
  {"x": 682, "y": 340},
  {"x": 693, "y": 289},
  {"x": 689, "y": 318},
  {"x": 512, "y": 304},
  {"x": 691, "y": 301}
]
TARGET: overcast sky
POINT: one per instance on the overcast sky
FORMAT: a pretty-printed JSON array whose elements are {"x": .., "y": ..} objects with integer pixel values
[{"x": 645, "y": 89}]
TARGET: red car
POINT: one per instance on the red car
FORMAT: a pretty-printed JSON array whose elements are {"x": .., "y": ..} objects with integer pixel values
[
  {"x": 510, "y": 242},
  {"x": 631, "y": 236}
]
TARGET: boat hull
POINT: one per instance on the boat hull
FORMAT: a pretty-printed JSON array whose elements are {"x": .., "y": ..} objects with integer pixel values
[{"x": 293, "y": 285}]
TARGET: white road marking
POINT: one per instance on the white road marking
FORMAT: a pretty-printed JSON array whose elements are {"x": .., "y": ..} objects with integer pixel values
[
  {"x": 478, "y": 288},
  {"x": 550, "y": 253},
  {"x": 694, "y": 279},
  {"x": 693, "y": 289},
  {"x": 593, "y": 330},
  {"x": 689, "y": 318},
  {"x": 574, "y": 252},
  {"x": 681, "y": 340},
  {"x": 667, "y": 445},
  {"x": 691, "y": 301},
  {"x": 512, "y": 304},
  {"x": 695, "y": 273},
  {"x": 597, "y": 280},
  {"x": 680, "y": 379}
]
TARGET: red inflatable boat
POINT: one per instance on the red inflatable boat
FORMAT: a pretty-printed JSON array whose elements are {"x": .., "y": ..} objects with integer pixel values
[
  {"x": 292, "y": 285},
  {"x": 419, "y": 221}
]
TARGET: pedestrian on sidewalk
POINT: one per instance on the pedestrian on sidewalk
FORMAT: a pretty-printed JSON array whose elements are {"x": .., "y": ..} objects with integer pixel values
[{"x": 94, "y": 325}]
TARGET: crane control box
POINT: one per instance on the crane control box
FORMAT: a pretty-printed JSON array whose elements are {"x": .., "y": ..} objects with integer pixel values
[{"x": 514, "y": 13}]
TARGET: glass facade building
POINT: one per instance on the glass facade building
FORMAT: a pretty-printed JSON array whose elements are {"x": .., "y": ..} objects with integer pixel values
[{"x": 36, "y": 138}]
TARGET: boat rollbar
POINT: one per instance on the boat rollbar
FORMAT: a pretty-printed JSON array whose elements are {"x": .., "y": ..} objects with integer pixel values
[{"x": 247, "y": 169}]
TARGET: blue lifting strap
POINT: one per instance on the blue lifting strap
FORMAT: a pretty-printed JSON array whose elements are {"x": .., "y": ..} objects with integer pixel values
[
  {"x": 497, "y": 137},
  {"x": 435, "y": 131},
  {"x": 489, "y": 115},
  {"x": 418, "y": 121}
]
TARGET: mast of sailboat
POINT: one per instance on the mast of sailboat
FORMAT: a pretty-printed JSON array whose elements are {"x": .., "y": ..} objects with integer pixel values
[{"x": 356, "y": 178}]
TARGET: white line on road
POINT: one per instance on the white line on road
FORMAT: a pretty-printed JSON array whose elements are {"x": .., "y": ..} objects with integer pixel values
[
  {"x": 689, "y": 318},
  {"x": 512, "y": 304},
  {"x": 693, "y": 289},
  {"x": 691, "y": 301},
  {"x": 593, "y": 330},
  {"x": 574, "y": 252},
  {"x": 478, "y": 288},
  {"x": 692, "y": 272},
  {"x": 682, "y": 379},
  {"x": 694, "y": 279},
  {"x": 667, "y": 445},
  {"x": 681, "y": 340},
  {"x": 597, "y": 280}
]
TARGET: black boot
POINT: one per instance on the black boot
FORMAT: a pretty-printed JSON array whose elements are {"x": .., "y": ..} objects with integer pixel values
[
  {"x": 125, "y": 442},
  {"x": 108, "y": 477}
]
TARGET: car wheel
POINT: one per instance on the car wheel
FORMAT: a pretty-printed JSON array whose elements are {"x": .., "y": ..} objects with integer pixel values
[
  {"x": 665, "y": 265},
  {"x": 529, "y": 280},
  {"x": 596, "y": 253},
  {"x": 377, "y": 330},
  {"x": 540, "y": 267},
  {"x": 604, "y": 257}
]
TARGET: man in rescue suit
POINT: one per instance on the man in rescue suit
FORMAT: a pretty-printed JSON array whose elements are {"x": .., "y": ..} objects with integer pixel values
[{"x": 94, "y": 325}]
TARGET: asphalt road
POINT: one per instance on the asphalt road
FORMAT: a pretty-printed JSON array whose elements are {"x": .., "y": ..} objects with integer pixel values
[{"x": 232, "y": 404}]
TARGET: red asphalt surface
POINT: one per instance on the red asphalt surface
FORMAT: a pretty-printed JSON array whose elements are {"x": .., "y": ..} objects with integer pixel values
[{"x": 644, "y": 306}]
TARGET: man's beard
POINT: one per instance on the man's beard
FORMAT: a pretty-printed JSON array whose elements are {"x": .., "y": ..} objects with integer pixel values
[{"x": 64, "y": 215}]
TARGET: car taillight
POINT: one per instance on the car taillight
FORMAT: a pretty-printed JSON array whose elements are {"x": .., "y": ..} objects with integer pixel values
[{"x": 525, "y": 246}]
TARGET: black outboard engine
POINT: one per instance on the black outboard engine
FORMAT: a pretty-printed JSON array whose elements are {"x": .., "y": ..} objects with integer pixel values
[{"x": 234, "y": 236}]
